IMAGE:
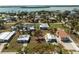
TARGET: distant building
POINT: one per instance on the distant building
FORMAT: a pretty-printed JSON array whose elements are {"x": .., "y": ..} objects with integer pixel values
[
  {"x": 9, "y": 19},
  {"x": 13, "y": 28},
  {"x": 52, "y": 19},
  {"x": 37, "y": 18},
  {"x": 44, "y": 26}
]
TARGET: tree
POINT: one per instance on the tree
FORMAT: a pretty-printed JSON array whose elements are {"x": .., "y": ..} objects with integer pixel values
[
  {"x": 2, "y": 24},
  {"x": 74, "y": 24},
  {"x": 77, "y": 28}
]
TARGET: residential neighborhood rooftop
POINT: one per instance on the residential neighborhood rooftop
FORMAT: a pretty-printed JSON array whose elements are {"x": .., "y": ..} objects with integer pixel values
[
  {"x": 6, "y": 35},
  {"x": 44, "y": 25},
  {"x": 24, "y": 37},
  {"x": 49, "y": 36},
  {"x": 61, "y": 33}
]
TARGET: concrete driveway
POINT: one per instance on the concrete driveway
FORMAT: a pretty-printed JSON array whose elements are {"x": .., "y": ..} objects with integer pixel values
[
  {"x": 68, "y": 46},
  {"x": 2, "y": 46}
]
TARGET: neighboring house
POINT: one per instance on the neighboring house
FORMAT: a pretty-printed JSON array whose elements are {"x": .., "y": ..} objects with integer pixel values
[
  {"x": 29, "y": 27},
  {"x": 13, "y": 28},
  {"x": 23, "y": 38},
  {"x": 52, "y": 19},
  {"x": 9, "y": 19},
  {"x": 37, "y": 18},
  {"x": 66, "y": 40},
  {"x": 26, "y": 27},
  {"x": 6, "y": 36},
  {"x": 44, "y": 26},
  {"x": 50, "y": 38},
  {"x": 63, "y": 35}
]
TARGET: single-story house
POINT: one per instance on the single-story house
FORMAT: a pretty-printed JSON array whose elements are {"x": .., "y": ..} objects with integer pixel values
[
  {"x": 50, "y": 38},
  {"x": 37, "y": 18},
  {"x": 29, "y": 26},
  {"x": 6, "y": 36},
  {"x": 9, "y": 19},
  {"x": 13, "y": 28},
  {"x": 25, "y": 27},
  {"x": 52, "y": 19},
  {"x": 63, "y": 35},
  {"x": 66, "y": 40},
  {"x": 44, "y": 26},
  {"x": 23, "y": 39}
]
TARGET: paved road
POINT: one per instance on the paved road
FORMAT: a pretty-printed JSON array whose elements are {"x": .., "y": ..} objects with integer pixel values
[
  {"x": 8, "y": 52},
  {"x": 2, "y": 46}
]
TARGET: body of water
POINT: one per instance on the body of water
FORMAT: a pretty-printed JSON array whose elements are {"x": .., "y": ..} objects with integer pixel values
[{"x": 20, "y": 9}]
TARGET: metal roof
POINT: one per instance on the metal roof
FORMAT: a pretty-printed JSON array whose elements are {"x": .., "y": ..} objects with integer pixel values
[
  {"x": 6, "y": 35},
  {"x": 24, "y": 37},
  {"x": 49, "y": 36},
  {"x": 44, "y": 25}
]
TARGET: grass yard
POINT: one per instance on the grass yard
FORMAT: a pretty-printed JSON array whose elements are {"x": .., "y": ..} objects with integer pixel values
[
  {"x": 13, "y": 45},
  {"x": 58, "y": 25},
  {"x": 36, "y": 26}
]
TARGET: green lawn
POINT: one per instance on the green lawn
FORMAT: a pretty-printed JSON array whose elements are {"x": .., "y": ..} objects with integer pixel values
[
  {"x": 13, "y": 45},
  {"x": 58, "y": 25},
  {"x": 51, "y": 26},
  {"x": 55, "y": 25},
  {"x": 37, "y": 26}
]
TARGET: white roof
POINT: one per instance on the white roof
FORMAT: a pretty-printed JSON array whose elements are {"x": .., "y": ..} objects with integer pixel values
[
  {"x": 10, "y": 34},
  {"x": 48, "y": 37},
  {"x": 24, "y": 37},
  {"x": 5, "y": 19},
  {"x": 6, "y": 35},
  {"x": 29, "y": 25},
  {"x": 44, "y": 25},
  {"x": 78, "y": 33},
  {"x": 32, "y": 27},
  {"x": 51, "y": 18}
]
